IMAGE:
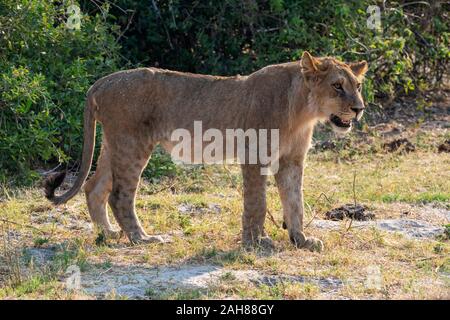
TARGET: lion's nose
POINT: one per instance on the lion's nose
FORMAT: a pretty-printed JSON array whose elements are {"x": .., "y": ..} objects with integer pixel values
[{"x": 358, "y": 111}]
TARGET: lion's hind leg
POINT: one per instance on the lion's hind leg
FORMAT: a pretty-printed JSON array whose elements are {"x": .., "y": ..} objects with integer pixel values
[
  {"x": 97, "y": 190},
  {"x": 128, "y": 160}
]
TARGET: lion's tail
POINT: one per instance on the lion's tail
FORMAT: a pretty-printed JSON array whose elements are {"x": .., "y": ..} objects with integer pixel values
[{"x": 54, "y": 181}]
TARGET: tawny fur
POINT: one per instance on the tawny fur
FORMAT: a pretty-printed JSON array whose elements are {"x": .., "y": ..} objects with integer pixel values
[{"x": 140, "y": 108}]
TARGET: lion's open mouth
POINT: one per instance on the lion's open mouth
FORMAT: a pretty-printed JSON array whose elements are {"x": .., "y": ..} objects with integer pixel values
[{"x": 339, "y": 122}]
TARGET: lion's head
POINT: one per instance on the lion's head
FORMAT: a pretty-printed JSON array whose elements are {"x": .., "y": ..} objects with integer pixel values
[{"x": 335, "y": 89}]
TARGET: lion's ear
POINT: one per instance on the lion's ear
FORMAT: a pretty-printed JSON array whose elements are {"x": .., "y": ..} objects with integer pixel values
[
  {"x": 309, "y": 63},
  {"x": 359, "y": 68}
]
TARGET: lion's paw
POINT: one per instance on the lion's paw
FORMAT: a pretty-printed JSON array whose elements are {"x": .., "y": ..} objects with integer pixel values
[{"x": 311, "y": 243}]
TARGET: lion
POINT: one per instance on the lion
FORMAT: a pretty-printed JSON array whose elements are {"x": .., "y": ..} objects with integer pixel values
[{"x": 140, "y": 108}]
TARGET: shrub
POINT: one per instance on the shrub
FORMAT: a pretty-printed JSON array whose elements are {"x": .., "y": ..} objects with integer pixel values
[{"x": 46, "y": 70}]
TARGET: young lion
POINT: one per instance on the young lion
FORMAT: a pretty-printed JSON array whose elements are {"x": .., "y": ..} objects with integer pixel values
[{"x": 140, "y": 108}]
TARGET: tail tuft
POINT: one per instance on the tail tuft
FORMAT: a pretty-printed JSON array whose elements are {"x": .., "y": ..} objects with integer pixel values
[{"x": 51, "y": 183}]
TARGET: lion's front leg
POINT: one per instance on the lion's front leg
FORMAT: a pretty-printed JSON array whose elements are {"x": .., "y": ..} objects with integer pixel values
[
  {"x": 254, "y": 208},
  {"x": 289, "y": 181}
]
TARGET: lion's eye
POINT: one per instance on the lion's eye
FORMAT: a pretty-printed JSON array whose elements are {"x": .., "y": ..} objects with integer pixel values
[
  {"x": 338, "y": 86},
  {"x": 358, "y": 86}
]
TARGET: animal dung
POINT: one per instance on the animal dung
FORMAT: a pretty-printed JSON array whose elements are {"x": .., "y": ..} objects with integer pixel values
[
  {"x": 352, "y": 211},
  {"x": 399, "y": 144}
]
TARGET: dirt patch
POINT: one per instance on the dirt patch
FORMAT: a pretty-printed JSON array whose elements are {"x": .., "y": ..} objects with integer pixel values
[
  {"x": 40, "y": 256},
  {"x": 140, "y": 282},
  {"x": 322, "y": 283},
  {"x": 411, "y": 228},
  {"x": 355, "y": 212},
  {"x": 437, "y": 214},
  {"x": 61, "y": 217},
  {"x": 444, "y": 147},
  {"x": 416, "y": 229},
  {"x": 408, "y": 110},
  {"x": 399, "y": 144}
]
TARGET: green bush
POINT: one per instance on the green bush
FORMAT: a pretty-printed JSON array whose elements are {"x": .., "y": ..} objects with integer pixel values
[
  {"x": 46, "y": 70},
  {"x": 160, "y": 165}
]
